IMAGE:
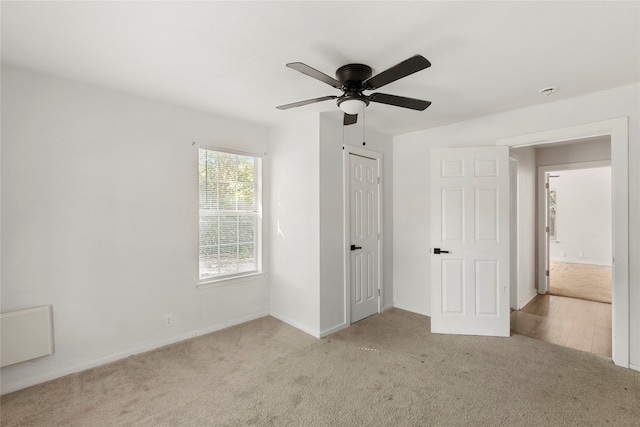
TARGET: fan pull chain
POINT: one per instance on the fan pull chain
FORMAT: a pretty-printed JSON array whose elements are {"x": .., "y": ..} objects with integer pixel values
[{"x": 363, "y": 126}]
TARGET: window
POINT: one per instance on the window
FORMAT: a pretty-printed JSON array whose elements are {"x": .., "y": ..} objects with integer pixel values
[
  {"x": 553, "y": 207},
  {"x": 230, "y": 217}
]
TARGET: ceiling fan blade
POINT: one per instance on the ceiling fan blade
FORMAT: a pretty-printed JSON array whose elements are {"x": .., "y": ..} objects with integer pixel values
[
  {"x": 398, "y": 71},
  {"x": 312, "y": 72},
  {"x": 308, "y": 101},
  {"x": 350, "y": 119},
  {"x": 399, "y": 101}
]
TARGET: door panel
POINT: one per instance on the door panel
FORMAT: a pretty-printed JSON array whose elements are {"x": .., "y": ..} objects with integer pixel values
[
  {"x": 364, "y": 228},
  {"x": 487, "y": 290},
  {"x": 486, "y": 215},
  {"x": 452, "y": 207},
  {"x": 453, "y": 292},
  {"x": 470, "y": 222}
]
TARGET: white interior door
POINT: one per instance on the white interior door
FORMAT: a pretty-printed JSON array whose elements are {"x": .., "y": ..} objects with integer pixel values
[
  {"x": 546, "y": 282},
  {"x": 364, "y": 233},
  {"x": 470, "y": 241},
  {"x": 543, "y": 266}
]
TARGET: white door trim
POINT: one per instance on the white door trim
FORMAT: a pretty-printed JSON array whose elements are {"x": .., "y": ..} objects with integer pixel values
[
  {"x": 618, "y": 130},
  {"x": 514, "y": 232},
  {"x": 543, "y": 246},
  {"x": 348, "y": 150}
]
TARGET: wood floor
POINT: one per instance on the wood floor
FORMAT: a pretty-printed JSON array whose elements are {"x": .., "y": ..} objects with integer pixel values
[{"x": 570, "y": 322}]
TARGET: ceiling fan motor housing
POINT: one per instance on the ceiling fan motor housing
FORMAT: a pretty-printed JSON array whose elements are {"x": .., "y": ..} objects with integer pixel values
[{"x": 352, "y": 76}]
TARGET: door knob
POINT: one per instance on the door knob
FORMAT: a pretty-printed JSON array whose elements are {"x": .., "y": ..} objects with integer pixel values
[
  {"x": 438, "y": 251},
  {"x": 354, "y": 247}
]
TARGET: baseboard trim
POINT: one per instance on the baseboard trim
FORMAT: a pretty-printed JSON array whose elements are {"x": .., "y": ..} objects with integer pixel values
[
  {"x": 295, "y": 324},
  {"x": 412, "y": 310},
  {"x": 28, "y": 382},
  {"x": 335, "y": 329},
  {"x": 634, "y": 367},
  {"x": 527, "y": 298}
]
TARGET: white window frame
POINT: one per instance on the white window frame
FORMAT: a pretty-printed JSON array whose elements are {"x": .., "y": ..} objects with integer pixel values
[{"x": 236, "y": 277}]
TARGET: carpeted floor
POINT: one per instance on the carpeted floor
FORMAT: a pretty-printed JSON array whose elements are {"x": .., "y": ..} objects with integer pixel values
[
  {"x": 386, "y": 370},
  {"x": 584, "y": 281}
]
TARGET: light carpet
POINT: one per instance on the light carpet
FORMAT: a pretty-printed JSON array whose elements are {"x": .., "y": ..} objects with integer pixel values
[
  {"x": 584, "y": 281},
  {"x": 386, "y": 370}
]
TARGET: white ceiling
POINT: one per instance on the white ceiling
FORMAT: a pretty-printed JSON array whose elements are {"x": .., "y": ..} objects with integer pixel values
[{"x": 228, "y": 58}]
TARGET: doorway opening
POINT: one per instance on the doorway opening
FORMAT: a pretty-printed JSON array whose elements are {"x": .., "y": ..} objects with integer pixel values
[
  {"x": 578, "y": 209},
  {"x": 576, "y": 251},
  {"x": 617, "y": 132}
]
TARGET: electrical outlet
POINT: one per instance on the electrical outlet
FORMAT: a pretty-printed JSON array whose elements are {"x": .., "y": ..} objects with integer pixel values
[
  {"x": 168, "y": 320},
  {"x": 580, "y": 254},
  {"x": 563, "y": 254}
]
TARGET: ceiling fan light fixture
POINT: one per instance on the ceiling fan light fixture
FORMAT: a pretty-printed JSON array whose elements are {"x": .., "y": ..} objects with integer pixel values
[{"x": 352, "y": 106}]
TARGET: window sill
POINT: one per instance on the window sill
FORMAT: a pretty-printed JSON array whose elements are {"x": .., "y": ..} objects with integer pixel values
[{"x": 216, "y": 283}]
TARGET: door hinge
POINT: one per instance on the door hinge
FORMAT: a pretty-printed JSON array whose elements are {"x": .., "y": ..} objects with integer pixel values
[
  {"x": 546, "y": 273},
  {"x": 546, "y": 229},
  {"x": 546, "y": 185},
  {"x": 378, "y": 181},
  {"x": 378, "y": 291}
]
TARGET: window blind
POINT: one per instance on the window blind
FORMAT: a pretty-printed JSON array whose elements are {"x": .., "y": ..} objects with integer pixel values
[{"x": 229, "y": 205}]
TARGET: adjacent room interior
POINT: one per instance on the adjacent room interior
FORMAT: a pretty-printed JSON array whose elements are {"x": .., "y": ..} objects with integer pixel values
[
  {"x": 574, "y": 198},
  {"x": 580, "y": 255},
  {"x": 200, "y": 225}
]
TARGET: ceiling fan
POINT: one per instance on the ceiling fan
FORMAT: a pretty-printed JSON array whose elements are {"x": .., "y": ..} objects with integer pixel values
[{"x": 354, "y": 79}]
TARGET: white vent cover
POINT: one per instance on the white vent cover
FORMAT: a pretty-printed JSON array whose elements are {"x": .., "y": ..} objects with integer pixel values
[{"x": 25, "y": 334}]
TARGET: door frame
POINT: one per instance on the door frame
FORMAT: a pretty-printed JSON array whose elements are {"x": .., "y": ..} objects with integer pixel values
[
  {"x": 543, "y": 237},
  {"x": 618, "y": 130},
  {"x": 363, "y": 152},
  {"x": 514, "y": 231}
]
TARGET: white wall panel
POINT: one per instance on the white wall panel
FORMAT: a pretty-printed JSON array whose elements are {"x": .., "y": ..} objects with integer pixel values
[{"x": 295, "y": 251}]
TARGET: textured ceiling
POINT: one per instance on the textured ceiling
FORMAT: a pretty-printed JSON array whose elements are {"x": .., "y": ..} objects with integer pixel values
[{"x": 228, "y": 58}]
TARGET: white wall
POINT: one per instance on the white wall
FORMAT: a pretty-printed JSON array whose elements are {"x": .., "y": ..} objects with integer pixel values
[
  {"x": 332, "y": 289},
  {"x": 580, "y": 151},
  {"x": 583, "y": 216},
  {"x": 307, "y": 248},
  {"x": 526, "y": 205},
  {"x": 100, "y": 219},
  {"x": 295, "y": 223},
  {"x": 411, "y": 181}
]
